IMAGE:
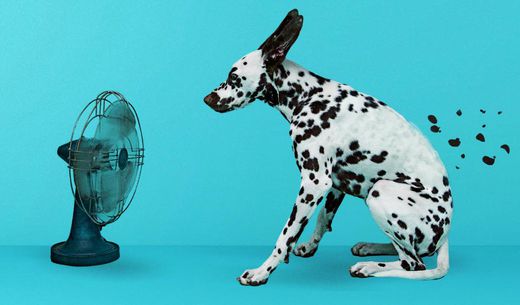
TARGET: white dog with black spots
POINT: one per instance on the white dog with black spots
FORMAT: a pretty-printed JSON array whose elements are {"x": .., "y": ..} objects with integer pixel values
[{"x": 346, "y": 142}]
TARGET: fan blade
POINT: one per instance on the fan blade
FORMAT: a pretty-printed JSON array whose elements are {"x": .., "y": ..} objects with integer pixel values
[
  {"x": 128, "y": 176},
  {"x": 109, "y": 190},
  {"x": 117, "y": 122},
  {"x": 115, "y": 186}
]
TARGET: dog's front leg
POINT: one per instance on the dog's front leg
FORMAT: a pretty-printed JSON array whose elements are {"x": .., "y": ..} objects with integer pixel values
[{"x": 308, "y": 199}]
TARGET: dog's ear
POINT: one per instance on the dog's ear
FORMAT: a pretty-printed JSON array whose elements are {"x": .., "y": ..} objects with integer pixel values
[
  {"x": 277, "y": 46},
  {"x": 268, "y": 42}
]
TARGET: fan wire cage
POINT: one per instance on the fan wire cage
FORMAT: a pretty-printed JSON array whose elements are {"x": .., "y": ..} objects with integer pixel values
[{"x": 89, "y": 117}]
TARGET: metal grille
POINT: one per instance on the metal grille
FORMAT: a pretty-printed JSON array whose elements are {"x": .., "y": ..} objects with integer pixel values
[{"x": 88, "y": 161}]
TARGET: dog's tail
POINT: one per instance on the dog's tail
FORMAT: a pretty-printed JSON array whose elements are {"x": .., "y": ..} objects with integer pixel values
[{"x": 443, "y": 264}]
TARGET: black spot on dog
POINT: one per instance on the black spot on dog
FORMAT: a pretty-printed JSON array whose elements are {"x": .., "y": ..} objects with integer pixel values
[
  {"x": 354, "y": 93},
  {"x": 419, "y": 235},
  {"x": 301, "y": 73},
  {"x": 432, "y": 119},
  {"x": 321, "y": 80},
  {"x": 311, "y": 164},
  {"x": 505, "y": 147},
  {"x": 379, "y": 158},
  {"x": 441, "y": 209},
  {"x": 317, "y": 106},
  {"x": 354, "y": 145},
  {"x": 370, "y": 103},
  {"x": 356, "y": 189},
  {"x": 381, "y": 172},
  {"x": 454, "y": 142},
  {"x": 394, "y": 215},
  {"x": 322, "y": 150},
  {"x": 446, "y": 196},
  {"x": 375, "y": 194},
  {"x": 381, "y": 265},
  {"x": 480, "y": 137},
  {"x": 402, "y": 224},
  {"x": 293, "y": 215},
  {"x": 356, "y": 157},
  {"x": 420, "y": 267},
  {"x": 488, "y": 160},
  {"x": 405, "y": 265},
  {"x": 398, "y": 236},
  {"x": 445, "y": 181}
]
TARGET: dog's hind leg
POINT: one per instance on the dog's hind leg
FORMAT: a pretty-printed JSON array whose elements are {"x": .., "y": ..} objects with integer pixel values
[
  {"x": 369, "y": 249},
  {"x": 323, "y": 224},
  {"x": 417, "y": 220}
]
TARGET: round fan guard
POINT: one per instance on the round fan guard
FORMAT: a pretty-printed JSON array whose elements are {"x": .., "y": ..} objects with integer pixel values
[{"x": 89, "y": 118}]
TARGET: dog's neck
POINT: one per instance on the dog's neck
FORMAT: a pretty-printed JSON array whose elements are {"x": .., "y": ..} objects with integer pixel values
[{"x": 295, "y": 86}]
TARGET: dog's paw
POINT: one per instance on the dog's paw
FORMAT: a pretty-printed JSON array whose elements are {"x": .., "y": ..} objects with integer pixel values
[
  {"x": 361, "y": 249},
  {"x": 307, "y": 249},
  {"x": 254, "y": 277},
  {"x": 364, "y": 269}
]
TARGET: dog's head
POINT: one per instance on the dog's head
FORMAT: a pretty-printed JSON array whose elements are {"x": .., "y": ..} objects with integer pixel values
[{"x": 251, "y": 76}]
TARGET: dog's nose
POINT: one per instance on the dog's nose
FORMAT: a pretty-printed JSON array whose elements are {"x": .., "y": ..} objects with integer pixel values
[{"x": 211, "y": 99}]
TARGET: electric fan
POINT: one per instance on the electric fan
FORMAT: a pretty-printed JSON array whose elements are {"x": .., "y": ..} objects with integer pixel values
[{"x": 105, "y": 157}]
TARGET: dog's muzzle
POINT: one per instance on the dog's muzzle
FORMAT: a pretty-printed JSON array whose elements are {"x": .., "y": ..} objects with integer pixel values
[{"x": 212, "y": 99}]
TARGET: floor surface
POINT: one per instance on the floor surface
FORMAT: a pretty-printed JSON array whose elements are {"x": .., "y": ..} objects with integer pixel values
[{"x": 206, "y": 275}]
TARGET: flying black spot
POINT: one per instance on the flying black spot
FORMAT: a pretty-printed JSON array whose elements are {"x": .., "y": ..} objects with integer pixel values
[
  {"x": 505, "y": 147},
  {"x": 499, "y": 113},
  {"x": 480, "y": 137},
  {"x": 432, "y": 119},
  {"x": 484, "y": 126},
  {"x": 482, "y": 110},
  {"x": 454, "y": 142},
  {"x": 463, "y": 156},
  {"x": 459, "y": 112},
  {"x": 488, "y": 160},
  {"x": 435, "y": 129},
  {"x": 456, "y": 167}
]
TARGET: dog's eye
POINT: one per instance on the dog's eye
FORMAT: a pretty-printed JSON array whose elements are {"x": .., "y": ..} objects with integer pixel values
[{"x": 233, "y": 77}]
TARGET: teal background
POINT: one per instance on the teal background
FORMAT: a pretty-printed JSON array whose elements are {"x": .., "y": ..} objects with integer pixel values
[
  {"x": 222, "y": 180},
  {"x": 213, "y": 179}
]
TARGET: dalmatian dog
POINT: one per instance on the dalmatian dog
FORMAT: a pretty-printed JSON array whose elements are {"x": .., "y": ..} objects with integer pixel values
[{"x": 346, "y": 142}]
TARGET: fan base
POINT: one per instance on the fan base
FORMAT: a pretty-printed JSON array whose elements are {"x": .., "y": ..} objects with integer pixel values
[{"x": 65, "y": 253}]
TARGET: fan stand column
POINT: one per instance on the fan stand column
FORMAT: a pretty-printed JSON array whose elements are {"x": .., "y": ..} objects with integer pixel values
[{"x": 85, "y": 245}]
